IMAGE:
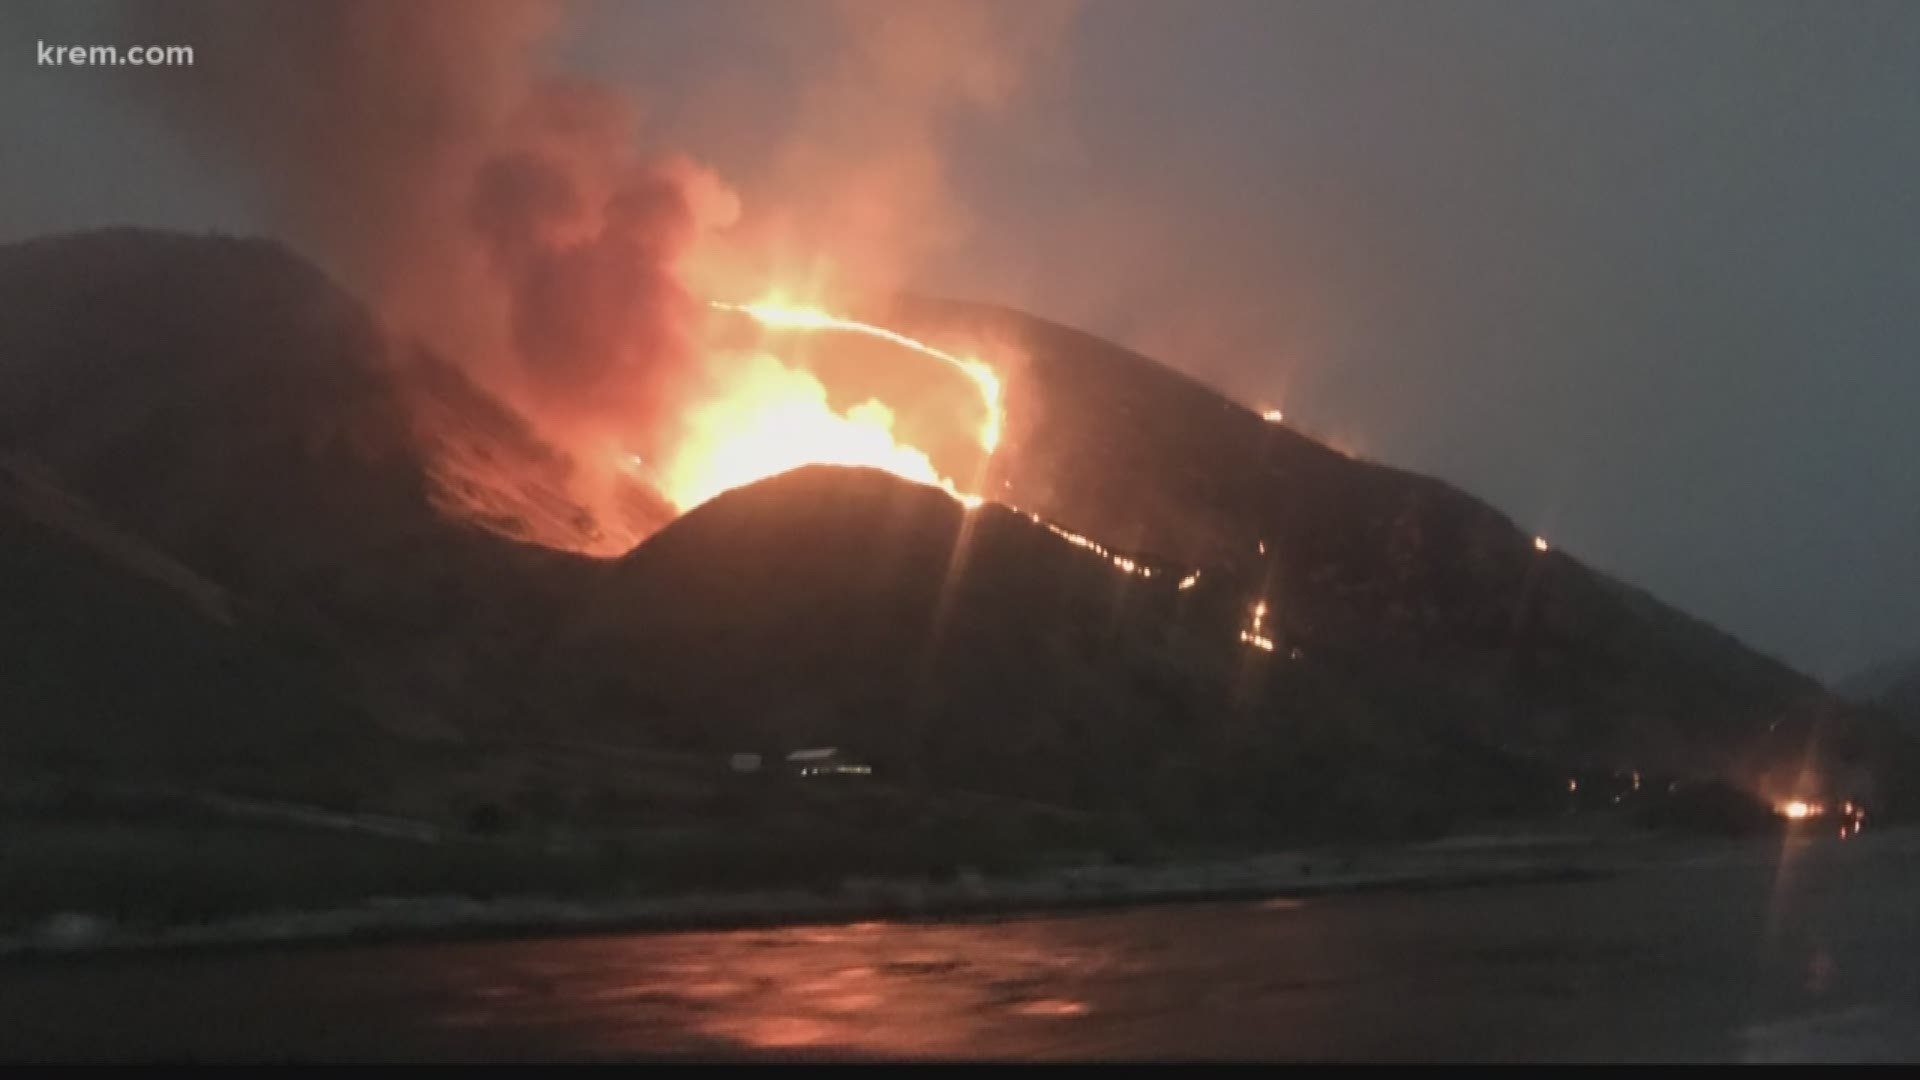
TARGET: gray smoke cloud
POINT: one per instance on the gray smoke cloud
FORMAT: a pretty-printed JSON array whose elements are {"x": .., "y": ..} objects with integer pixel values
[{"x": 420, "y": 151}]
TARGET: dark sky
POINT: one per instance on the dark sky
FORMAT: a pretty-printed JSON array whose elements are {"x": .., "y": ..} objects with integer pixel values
[{"x": 1640, "y": 274}]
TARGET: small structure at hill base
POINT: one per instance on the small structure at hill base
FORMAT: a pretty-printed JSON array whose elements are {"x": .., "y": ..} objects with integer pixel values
[{"x": 825, "y": 761}]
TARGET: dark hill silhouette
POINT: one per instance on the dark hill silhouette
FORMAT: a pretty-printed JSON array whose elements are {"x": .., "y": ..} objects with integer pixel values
[
  {"x": 253, "y": 434},
  {"x": 224, "y": 402},
  {"x": 125, "y": 666},
  {"x": 1393, "y": 569},
  {"x": 976, "y": 649},
  {"x": 1893, "y": 686}
]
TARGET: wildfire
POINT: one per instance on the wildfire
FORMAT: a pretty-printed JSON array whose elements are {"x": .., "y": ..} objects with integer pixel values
[
  {"x": 781, "y": 317},
  {"x": 1123, "y": 563},
  {"x": 770, "y": 417},
  {"x": 1252, "y": 635},
  {"x": 777, "y": 418}
]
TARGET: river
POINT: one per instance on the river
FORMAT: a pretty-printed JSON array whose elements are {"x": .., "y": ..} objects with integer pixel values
[{"x": 1740, "y": 952}]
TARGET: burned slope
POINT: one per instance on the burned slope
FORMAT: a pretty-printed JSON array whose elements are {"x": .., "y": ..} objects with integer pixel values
[
  {"x": 218, "y": 396},
  {"x": 222, "y": 402},
  {"x": 978, "y": 650},
  {"x": 837, "y": 605},
  {"x": 1400, "y": 572},
  {"x": 125, "y": 666}
]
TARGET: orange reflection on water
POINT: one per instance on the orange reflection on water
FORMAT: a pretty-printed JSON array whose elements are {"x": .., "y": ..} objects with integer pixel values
[
  {"x": 1052, "y": 1007},
  {"x": 889, "y": 989}
]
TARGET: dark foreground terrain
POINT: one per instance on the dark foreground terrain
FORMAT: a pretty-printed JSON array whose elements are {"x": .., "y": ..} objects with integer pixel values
[{"x": 1731, "y": 951}]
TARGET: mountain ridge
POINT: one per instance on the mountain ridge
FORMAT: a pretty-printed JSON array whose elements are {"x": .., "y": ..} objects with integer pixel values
[{"x": 1425, "y": 647}]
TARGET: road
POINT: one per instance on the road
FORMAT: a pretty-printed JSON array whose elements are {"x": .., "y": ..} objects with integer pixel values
[{"x": 1738, "y": 953}]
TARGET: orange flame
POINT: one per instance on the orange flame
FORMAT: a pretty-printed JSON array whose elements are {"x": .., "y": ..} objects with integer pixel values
[
  {"x": 768, "y": 417},
  {"x": 782, "y": 317},
  {"x": 776, "y": 418},
  {"x": 771, "y": 417},
  {"x": 1252, "y": 635}
]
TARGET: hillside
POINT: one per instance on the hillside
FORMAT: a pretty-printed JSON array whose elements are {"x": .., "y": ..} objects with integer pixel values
[
  {"x": 260, "y": 464},
  {"x": 977, "y": 650},
  {"x": 126, "y": 667},
  {"x": 227, "y": 405},
  {"x": 1903, "y": 697},
  {"x": 1389, "y": 568},
  {"x": 1893, "y": 686}
]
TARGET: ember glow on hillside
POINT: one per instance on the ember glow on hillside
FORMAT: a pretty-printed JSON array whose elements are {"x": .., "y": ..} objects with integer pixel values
[
  {"x": 1254, "y": 634},
  {"x": 1126, "y": 564}
]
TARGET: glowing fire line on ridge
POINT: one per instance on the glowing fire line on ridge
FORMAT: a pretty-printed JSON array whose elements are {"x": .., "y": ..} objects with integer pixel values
[
  {"x": 769, "y": 416},
  {"x": 872, "y": 421},
  {"x": 780, "y": 317},
  {"x": 777, "y": 316}
]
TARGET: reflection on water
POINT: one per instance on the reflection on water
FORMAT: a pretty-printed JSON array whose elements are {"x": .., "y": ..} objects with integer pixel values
[
  {"x": 870, "y": 988},
  {"x": 1713, "y": 958}
]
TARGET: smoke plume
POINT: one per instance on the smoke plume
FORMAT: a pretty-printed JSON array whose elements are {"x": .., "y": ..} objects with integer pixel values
[{"x": 522, "y": 223}]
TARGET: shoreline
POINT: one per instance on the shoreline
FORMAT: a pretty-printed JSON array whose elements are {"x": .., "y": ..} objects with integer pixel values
[{"x": 1059, "y": 892}]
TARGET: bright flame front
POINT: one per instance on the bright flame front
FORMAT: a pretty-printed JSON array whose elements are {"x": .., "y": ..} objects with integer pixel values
[
  {"x": 782, "y": 317},
  {"x": 777, "y": 418},
  {"x": 767, "y": 417}
]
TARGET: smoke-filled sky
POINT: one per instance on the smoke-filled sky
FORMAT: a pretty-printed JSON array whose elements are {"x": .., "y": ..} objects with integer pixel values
[{"x": 1640, "y": 274}]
